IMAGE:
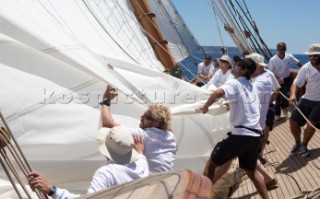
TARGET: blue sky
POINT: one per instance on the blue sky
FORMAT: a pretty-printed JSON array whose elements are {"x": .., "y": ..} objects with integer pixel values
[{"x": 295, "y": 22}]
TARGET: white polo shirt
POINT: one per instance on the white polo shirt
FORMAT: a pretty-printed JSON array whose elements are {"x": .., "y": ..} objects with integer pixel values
[
  {"x": 281, "y": 67},
  {"x": 263, "y": 86},
  {"x": 218, "y": 79},
  {"x": 244, "y": 105},
  {"x": 109, "y": 175},
  {"x": 205, "y": 70},
  {"x": 308, "y": 73},
  {"x": 159, "y": 147}
]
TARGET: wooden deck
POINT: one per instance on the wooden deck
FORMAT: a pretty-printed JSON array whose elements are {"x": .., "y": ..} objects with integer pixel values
[{"x": 295, "y": 174}]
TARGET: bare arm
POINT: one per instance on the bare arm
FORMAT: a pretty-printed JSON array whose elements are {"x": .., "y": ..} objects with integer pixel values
[
  {"x": 274, "y": 96},
  {"x": 106, "y": 117},
  {"x": 213, "y": 98},
  {"x": 293, "y": 91}
]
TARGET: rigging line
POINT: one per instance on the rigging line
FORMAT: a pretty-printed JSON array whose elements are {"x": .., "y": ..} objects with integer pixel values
[
  {"x": 247, "y": 10},
  {"x": 136, "y": 23},
  {"x": 169, "y": 25},
  {"x": 295, "y": 106},
  {"x": 5, "y": 136},
  {"x": 218, "y": 27},
  {"x": 187, "y": 67},
  {"x": 153, "y": 39},
  {"x": 132, "y": 32},
  {"x": 253, "y": 40},
  {"x": 156, "y": 27},
  {"x": 159, "y": 42},
  {"x": 236, "y": 25},
  {"x": 134, "y": 19},
  {"x": 233, "y": 34},
  {"x": 186, "y": 27},
  {"x": 254, "y": 27},
  {"x": 239, "y": 38},
  {"x": 105, "y": 30},
  {"x": 164, "y": 14}
]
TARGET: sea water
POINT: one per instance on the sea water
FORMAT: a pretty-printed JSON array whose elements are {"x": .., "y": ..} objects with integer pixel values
[{"x": 189, "y": 66}]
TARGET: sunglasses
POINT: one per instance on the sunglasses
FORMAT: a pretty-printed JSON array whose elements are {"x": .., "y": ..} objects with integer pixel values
[
  {"x": 315, "y": 56},
  {"x": 281, "y": 49},
  {"x": 147, "y": 117}
]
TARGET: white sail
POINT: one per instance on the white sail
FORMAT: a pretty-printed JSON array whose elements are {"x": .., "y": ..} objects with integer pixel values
[{"x": 56, "y": 58}]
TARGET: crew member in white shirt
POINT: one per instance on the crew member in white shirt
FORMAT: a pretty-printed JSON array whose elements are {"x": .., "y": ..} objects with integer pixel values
[
  {"x": 309, "y": 103},
  {"x": 126, "y": 162},
  {"x": 222, "y": 75},
  {"x": 204, "y": 70},
  {"x": 279, "y": 64},
  {"x": 155, "y": 129},
  {"x": 244, "y": 141}
]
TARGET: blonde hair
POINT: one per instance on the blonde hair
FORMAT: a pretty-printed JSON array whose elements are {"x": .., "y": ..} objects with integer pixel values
[{"x": 161, "y": 114}]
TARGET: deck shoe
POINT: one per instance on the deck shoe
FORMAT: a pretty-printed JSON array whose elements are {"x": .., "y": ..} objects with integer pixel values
[
  {"x": 262, "y": 160},
  {"x": 295, "y": 149},
  {"x": 304, "y": 152},
  {"x": 272, "y": 183},
  {"x": 285, "y": 112},
  {"x": 277, "y": 118}
]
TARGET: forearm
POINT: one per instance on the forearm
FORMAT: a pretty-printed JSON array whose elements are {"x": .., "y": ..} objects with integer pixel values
[
  {"x": 274, "y": 96},
  {"x": 214, "y": 97},
  {"x": 293, "y": 91},
  {"x": 106, "y": 117}
]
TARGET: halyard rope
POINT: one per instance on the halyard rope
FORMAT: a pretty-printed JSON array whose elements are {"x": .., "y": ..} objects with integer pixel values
[{"x": 6, "y": 139}]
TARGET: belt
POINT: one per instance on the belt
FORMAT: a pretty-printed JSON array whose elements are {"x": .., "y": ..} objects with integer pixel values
[{"x": 250, "y": 129}]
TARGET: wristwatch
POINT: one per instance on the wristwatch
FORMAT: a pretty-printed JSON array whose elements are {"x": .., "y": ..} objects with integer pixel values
[
  {"x": 106, "y": 102},
  {"x": 52, "y": 190}
]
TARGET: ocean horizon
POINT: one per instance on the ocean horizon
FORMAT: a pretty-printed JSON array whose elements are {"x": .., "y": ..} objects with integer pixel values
[{"x": 188, "y": 66}]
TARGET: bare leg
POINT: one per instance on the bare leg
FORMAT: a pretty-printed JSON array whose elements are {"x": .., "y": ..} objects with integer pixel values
[
  {"x": 263, "y": 171},
  {"x": 308, "y": 133},
  {"x": 258, "y": 183},
  {"x": 210, "y": 169},
  {"x": 220, "y": 171},
  {"x": 295, "y": 131},
  {"x": 265, "y": 139}
]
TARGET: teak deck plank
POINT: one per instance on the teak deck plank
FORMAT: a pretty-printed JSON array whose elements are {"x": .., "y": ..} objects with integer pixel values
[{"x": 295, "y": 174}]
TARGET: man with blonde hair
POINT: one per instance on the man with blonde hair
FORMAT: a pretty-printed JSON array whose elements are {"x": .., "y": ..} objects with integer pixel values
[{"x": 155, "y": 129}]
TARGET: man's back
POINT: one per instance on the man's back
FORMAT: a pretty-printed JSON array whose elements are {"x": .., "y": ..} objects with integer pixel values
[
  {"x": 159, "y": 148},
  {"x": 113, "y": 174}
]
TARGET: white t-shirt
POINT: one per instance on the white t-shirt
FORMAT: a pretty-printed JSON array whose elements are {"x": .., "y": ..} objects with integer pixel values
[
  {"x": 205, "y": 70},
  {"x": 308, "y": 73},
  {"x": 159, "y": 147},
  {"x": 110, "y": 175},
  {"x": 281, "y": 67},
  {"x": 244, "y": 105},
  {"x": 218, "y": 79},
  {"x": 263, "y": 86}
]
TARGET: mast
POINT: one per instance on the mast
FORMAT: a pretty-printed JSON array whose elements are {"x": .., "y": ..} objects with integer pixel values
[{"x": 150, "y": 25}]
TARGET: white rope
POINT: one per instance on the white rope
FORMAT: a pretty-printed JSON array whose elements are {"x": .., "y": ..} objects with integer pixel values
[{"x": 296, "y": 107}]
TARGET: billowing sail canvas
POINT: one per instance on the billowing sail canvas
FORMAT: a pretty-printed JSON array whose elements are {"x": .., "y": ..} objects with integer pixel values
[{"x": 56, "y": 58}]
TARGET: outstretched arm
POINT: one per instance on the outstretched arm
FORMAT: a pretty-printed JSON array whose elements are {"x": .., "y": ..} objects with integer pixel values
[
  {"x": 217, "y": 94},
  {"x": 106, "y": 117}
]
